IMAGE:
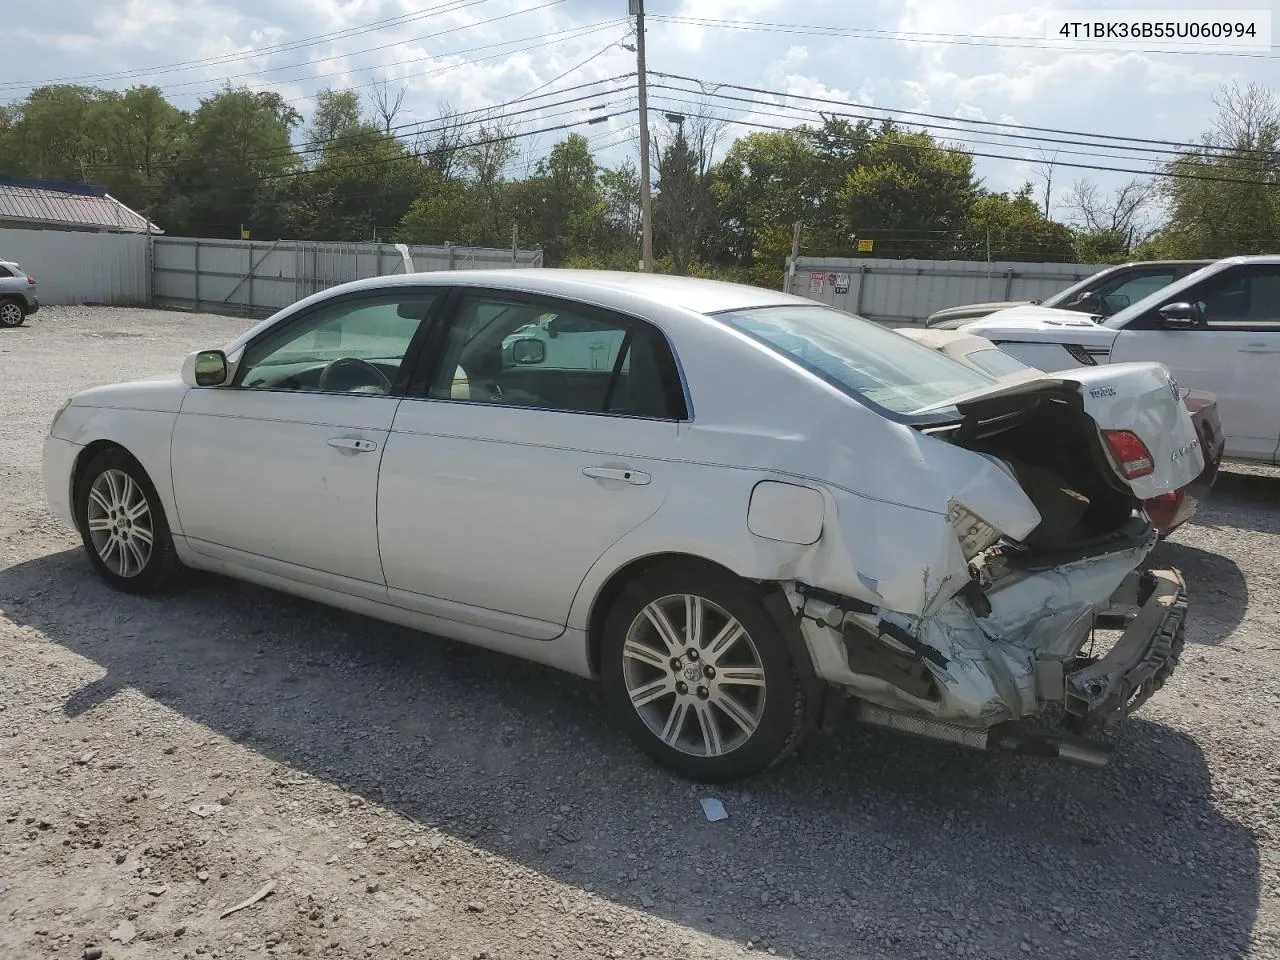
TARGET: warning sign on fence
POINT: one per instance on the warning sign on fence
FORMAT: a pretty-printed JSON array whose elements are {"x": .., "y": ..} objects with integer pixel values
[
  {"x": 841, "y": 283},
  {"x": 815, "y": 282}
]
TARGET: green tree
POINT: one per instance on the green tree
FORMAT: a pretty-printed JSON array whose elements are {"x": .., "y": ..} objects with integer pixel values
[
  {"x": 240, "y": 150},
  {"x": 620, "y": 193},
  {"x": 337, "y": 114},
  {"x": 1211, "y": 218},
  {"x": 447, "y": 211},
  {"x": 909, "y": 195},
  {"x": 363, "y": 182},
  {"x": 560, "y": 206},
  {"x": 1012, "y": 227}
]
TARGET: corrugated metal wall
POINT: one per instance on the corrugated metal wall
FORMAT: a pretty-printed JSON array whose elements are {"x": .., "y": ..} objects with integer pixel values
[
  {"x": 257, "y": 278},
  {"x": 75, "y": 267},
  {"x": 907, "y": 291}
]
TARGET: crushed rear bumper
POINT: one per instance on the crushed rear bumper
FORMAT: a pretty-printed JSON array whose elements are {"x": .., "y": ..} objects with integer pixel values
[{"x": 1101, "y": 693}]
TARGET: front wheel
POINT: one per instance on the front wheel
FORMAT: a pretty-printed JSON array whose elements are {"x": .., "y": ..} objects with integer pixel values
[
  {"x": 12, "y": 313},
  {"x": 701, "y": 675},
  {"x": 123, "y": 525}
]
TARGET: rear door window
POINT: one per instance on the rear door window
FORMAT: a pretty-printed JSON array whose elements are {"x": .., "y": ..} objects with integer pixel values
[{"x": 528, "y": 352}]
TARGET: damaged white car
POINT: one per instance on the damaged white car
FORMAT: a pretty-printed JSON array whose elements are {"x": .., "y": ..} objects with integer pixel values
[{"x": 737, "y": 509}]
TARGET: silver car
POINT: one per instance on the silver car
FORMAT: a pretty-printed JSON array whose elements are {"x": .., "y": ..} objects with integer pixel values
[{"x": 18, "y": 298}]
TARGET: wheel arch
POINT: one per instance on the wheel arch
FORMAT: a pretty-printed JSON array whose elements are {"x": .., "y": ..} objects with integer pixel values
[
  {"x": 773, "y": 598},
  {"x": 85, "y": 457}
]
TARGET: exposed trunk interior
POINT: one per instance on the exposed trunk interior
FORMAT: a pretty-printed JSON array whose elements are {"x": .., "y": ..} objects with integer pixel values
[{"x": 1054, "y": 449}]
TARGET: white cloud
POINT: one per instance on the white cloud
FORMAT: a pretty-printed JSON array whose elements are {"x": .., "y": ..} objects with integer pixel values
[{"x": 896, "y": 53}]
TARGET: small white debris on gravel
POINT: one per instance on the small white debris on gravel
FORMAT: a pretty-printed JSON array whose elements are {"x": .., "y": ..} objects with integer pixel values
[{"x": 507, "y": 789}]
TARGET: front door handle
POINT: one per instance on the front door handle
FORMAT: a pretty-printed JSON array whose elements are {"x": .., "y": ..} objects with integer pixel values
[
  {"x": 1259, "y": 348},
  {"x": 354, "y": 444},
  {"x": 617, "y": 473}
]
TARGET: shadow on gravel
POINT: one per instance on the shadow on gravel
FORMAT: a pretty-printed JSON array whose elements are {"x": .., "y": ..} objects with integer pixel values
[
  {"x": 867, "y": 844},
  {"x": 1248, "y": 490},
  {"x": 1216, "y": 585}
]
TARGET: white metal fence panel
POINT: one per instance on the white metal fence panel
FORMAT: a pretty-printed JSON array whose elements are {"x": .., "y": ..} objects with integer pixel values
[
  {"x": 907, "y": 291},
  {"x": 258, "y": 277},
  {"x": 79, "y": 267}
]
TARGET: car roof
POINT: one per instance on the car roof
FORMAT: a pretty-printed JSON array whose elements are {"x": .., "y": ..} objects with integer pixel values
[{"x": 690, "y": 293}]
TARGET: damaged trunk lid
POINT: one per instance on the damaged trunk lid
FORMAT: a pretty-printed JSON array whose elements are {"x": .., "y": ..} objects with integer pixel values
[{"x": 1127, "y": 419}]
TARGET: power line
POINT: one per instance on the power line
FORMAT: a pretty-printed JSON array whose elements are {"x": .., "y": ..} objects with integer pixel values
[
  {"x": 1164, "y": 153},
  {"x": 1189, "y": 147},
  {"x": 1169, "y": 174},
  {"x": 443, "y": 124},
  {"x": 422, "y": 155},
  {"x": 384, "y": 46},
  {"x": 772, "y": 110},
  {"x": 285, "y": 46},
  {"x": 547, "y": 39},
  {"x": 908, "y": 36}
]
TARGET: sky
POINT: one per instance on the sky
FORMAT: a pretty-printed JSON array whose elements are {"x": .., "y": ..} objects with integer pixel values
[{"x": 980, "y": 60}]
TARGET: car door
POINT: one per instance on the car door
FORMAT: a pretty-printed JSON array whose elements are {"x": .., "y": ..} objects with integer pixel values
[
  {"x": 511, "y": 467},
  {"x": 279, "y": 470},
  {"x": 1234, "y": 353}
]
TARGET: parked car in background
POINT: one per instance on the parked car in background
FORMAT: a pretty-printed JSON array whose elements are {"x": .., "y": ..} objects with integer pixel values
[
  {"x": 1166, "y": 511},
  {"x": 18, "y": 298},
  {"x": 754, "y": 510},
  {"x": 1101, "y": 295},
  {"x": 1217, "y": 330}
]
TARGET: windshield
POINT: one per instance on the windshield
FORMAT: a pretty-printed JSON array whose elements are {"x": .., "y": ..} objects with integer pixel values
[
  {"x": 868, "y": 361},
  {"x": 1158, "y": 298},
  {"x": 1082, "y": 286}
]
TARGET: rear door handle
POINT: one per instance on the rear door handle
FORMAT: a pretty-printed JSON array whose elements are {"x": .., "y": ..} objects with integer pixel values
[
  {"x": 1259, "y": 348},
  {"x": 353, "y": 443},
  {"x": 617, "y": 473}
]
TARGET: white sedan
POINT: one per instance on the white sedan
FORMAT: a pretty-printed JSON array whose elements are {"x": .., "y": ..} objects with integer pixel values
[{"x": 739, "y": 510}]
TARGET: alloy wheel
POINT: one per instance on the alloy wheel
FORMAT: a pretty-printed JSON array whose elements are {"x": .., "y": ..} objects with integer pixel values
[
  {"x": 120, "y": 523},
  {"x": 694, "y": 675}
]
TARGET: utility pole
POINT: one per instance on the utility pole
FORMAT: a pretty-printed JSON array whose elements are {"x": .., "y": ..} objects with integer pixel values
[
  {"x": 515, "y": 244},
  {"x": 791, "y": 260},
  {"x": 636, "y": 7}
]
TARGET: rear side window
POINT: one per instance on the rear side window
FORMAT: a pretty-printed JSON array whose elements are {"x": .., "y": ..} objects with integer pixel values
[
  {"x": 885, "y": 369},
  {"x": 6, "y": 272},
  {"x": 513, "y": 351}
]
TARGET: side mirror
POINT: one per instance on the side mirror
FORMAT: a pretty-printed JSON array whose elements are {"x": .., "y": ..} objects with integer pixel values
[
  {"x": 1181, "y": 316},
  {"x": 205, "y": 368},
  {"x": 528, "y": 352}
]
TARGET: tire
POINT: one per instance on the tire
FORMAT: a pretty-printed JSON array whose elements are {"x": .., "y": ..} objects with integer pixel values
[
  {"x": 12, "y": 312},
  {"x": 758, "y": 717},
  {"x": 117, "y": 508}
]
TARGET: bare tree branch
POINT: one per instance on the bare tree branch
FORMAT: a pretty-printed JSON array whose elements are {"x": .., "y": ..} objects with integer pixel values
[{"x": 387, "y": 103}]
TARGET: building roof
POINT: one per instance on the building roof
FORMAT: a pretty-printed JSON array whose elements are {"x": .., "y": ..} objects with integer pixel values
[{"x": 55, "y": 203}]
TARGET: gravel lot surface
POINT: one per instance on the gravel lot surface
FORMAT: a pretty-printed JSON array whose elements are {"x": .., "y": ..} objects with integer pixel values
[{"x": 163, "y": 759}]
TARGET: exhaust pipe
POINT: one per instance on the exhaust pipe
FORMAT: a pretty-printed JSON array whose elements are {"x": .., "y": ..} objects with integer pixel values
[{"x": 999, "y": 737}]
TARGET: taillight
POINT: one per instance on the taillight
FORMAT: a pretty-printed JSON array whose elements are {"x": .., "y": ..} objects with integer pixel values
[
  {"x": 31, "y": 281},
  {"x": 1130, "y": 453}
]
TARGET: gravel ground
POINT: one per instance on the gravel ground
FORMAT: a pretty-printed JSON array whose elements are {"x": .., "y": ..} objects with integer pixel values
[{"x": 163, "y": 759}]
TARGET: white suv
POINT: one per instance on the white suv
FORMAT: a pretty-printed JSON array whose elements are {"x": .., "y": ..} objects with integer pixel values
[
  {"x": 1217, "y": 330},
  {"x": 18, "y": 298}
]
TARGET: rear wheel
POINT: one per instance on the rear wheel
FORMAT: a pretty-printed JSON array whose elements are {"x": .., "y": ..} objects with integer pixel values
[
  {"x": 123, "y": 526},
  {"x": 12, "y": 313},
  {"x": 701, "y": 675}
]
